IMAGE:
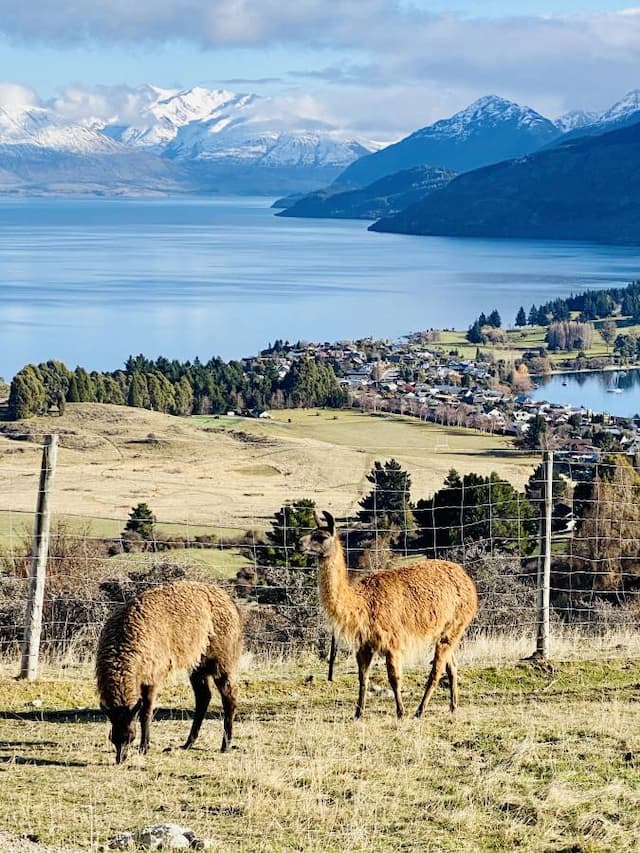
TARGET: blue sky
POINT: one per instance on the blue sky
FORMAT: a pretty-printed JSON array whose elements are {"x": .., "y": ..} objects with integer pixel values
[{"x": 382, "y": 67}]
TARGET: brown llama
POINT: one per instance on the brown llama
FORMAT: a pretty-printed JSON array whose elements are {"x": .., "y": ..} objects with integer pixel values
[
  {"x": 182, "y": 625},
  {"x": 395, "y": 611}
]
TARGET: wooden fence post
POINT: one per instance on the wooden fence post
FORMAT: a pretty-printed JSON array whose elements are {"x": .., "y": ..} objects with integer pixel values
[
  {"x": 40, "y": 552},
  {"x": 544, "y": 566}
]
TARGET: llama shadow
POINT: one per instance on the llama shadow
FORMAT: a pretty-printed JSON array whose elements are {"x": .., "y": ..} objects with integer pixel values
[
  {"x": 39, "y": 762},
  {"x": 95, "y": 715}
]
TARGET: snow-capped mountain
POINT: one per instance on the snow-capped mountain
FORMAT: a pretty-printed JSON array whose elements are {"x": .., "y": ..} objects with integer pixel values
[
  {"x": 195, "y": 139},
  {"x": 166, "y": 112},
  {"x": 624, "y": 110},
  {"x": 574, "y": 120},
  {"x": 488, "y": 130},
  {"x": 623, "y": 113},
  {"x": 216, "y": 132}
]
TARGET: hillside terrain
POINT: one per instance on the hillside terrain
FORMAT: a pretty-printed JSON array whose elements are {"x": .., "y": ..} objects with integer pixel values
[
  {"x": 580, "y": 189},
  {"x": 385, "y": 197},
  {"x": 232, "y": 472}
]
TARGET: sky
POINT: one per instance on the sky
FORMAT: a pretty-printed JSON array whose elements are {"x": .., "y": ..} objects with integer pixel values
[{"x": 380, "y": 68}]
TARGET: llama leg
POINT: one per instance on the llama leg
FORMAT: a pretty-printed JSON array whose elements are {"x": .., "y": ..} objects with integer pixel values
[
  {"x": 394, "y": 673},
  {"x": 146, "y": 712},
  {"x": 440, "y": 659},
  {"x": 364, "y": 655},
  {"x": 332, "y": 656},
  {"x": 202, "y": 692},
  {"x": 452, "y": 673},
  {"x": 228, "y": 695}
]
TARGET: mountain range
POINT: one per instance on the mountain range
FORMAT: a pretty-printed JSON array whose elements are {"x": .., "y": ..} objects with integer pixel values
[
  {"x": 197, "y": 140},
  {"x": 584, "y": 188},
  {"x": 204, "y": 140},
  {"x": 574, "y": 185}
]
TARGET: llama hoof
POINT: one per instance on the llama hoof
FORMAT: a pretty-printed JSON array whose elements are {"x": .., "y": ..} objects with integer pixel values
[{"x": 418, "y": 713}]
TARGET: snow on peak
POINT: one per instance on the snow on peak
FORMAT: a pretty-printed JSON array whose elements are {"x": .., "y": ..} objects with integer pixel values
[
  {"x": 574, "y": 120},
  {"x": 623, "y": 108},
  {"x": 488, "y": 111}
]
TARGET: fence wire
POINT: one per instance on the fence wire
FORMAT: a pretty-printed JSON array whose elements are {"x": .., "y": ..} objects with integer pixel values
[{"x": 493, "y": 528}]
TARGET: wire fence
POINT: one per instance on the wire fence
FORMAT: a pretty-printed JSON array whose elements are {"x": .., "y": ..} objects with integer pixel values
[{"x": 557, "y": 559}]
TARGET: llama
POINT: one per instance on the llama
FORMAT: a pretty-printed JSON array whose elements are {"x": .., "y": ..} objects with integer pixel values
[
  {"x": 182, "y": 625},
  {"x": 395, "y": 611}
]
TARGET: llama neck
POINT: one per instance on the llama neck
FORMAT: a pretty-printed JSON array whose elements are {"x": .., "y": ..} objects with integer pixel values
[{"x": 343, "y": 607}]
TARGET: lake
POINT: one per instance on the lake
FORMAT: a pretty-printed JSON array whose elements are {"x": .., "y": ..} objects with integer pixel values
[
  {"x": 594, "y": 390},
  {"x": 90, "y": 281}
]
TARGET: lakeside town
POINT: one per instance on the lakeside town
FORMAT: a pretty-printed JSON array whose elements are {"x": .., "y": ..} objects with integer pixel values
[{"x": 419, "y": 377}]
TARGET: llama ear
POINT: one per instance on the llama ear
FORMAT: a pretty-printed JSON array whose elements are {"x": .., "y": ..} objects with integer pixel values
[
  {"x": 319, "y": 517},
  {"x": 331, "y": 524}
]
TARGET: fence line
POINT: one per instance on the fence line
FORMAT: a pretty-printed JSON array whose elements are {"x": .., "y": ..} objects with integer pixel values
[{"x": 564, "y": 555}]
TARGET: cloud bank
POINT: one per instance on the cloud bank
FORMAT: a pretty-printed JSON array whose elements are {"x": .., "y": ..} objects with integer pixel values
[{"x": 402, "y": 65}]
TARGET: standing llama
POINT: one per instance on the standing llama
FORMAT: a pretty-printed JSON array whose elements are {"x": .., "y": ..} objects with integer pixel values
[
  {"x": 395, "y": 611},
  {"x": 182, "y": 625}
]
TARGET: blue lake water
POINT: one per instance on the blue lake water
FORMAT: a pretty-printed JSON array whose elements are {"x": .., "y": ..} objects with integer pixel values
[
  {"x": 90, "y": 281},
  {"x": 595, "y": 391}
]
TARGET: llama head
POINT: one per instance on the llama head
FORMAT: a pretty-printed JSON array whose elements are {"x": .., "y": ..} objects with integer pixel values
[
  {"x": 123, "y": 727},
  {"x": 320, "y": 541}
]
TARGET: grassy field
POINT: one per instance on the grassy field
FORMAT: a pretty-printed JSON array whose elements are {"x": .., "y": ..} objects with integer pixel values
[
  {"x": 531, "y": 761},
  {"x": 528, "y": 338},
  {"x": 228, "y": 475}
]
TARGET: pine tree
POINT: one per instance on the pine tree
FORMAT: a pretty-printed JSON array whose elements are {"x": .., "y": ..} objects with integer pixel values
[
  {"x": 494, "y": 319},
  {"x": 27, "y": 395},
  {"x": 141, "y": 521},
  {"x": 474, "y": 334},
  {"x": 521, "y": 317},
  {"x": 387, "y": 507}
]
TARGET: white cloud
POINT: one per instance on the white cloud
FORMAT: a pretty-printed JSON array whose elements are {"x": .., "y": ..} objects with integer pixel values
[
  {"x": 15, "y": 95},
  {"x": 403, "y": 67}
]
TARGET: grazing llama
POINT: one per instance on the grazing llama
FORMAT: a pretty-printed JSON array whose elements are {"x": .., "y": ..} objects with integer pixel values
[
  {"x": 393, "y": 612},
  {"x": 183, "y": 625}
]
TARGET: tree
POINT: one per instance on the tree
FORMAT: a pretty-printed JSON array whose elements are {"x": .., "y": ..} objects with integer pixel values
[
  {"x": 27, "y": 395},
  {"x": 282, "y": 570},
  {"x": 521, "y": 317},
  {"x": 608, "y": 332},
  {"x": 532, "y": 319},
  {"x": 387, "y": 507},
  {"x": 625, "y": 346},
  {"x": 475, "y": 509},
  {"x": 535, "y": 436},
  {"x": 141, "y": 521},
  {"x": 138, "y": 391},
  {"x": 183, "y": 397},
  {"x": 605, "y": 544},
  {"x": 494, "y": 319},
  {"x": 474, "y": 334}
]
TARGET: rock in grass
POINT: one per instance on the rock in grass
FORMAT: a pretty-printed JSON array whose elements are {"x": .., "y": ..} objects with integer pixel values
[{"x": 160, "y": 836}]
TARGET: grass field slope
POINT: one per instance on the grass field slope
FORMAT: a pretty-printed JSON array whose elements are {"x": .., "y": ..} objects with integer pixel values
[
  {"x": 531, "y": 761},
  {"x": 231, "y": 472}
]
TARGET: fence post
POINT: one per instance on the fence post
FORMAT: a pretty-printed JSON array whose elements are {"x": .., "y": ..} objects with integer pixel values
[
  {"x": 544, "y": 565},
  {"x": 40, "y": 552}
]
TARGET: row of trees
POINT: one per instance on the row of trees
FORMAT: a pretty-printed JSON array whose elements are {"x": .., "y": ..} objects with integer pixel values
[
  {"x": 590, "y": 305},
  {"x": 174, "y": 387},
  {"x": 570, "y": 335}
]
